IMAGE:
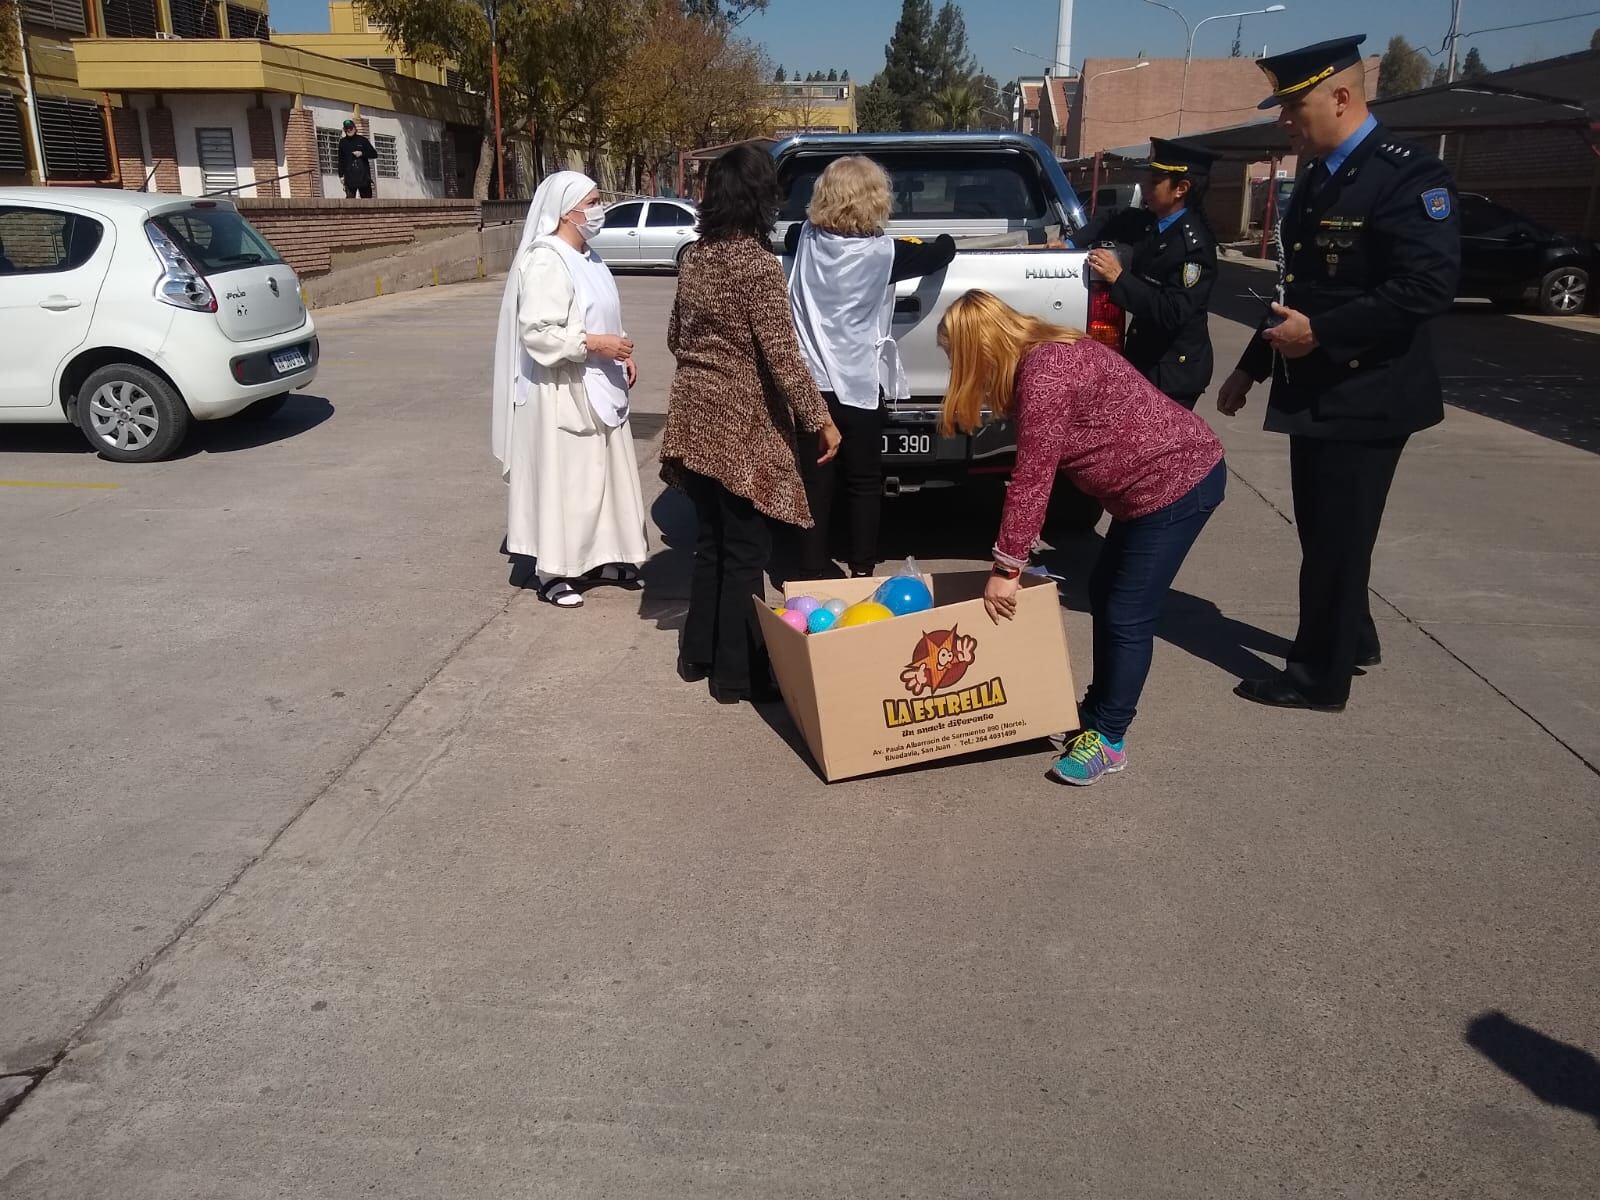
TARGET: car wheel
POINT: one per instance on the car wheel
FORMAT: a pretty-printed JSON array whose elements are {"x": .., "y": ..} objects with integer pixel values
[
  {"x": 683, "y": 251},
  {"x": 1563, "y": 292},
  {"x": 262, "y": 410},
  {"x": 131, "y": 415}
]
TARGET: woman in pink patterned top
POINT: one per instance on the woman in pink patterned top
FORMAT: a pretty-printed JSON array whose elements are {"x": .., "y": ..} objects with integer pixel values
[{"x": 1082, "y": 410}]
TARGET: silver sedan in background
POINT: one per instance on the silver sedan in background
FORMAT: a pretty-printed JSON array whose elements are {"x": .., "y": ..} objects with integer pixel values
[{"x": 646, "y": 233}]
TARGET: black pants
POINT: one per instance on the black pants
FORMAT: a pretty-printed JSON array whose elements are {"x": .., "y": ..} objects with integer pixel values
[
  {"x": 857, "y": 470},
  {"x": 732, "y": 546},
  {"x": 1340, "y": 489},
  {"x": 352, "y": 190}
]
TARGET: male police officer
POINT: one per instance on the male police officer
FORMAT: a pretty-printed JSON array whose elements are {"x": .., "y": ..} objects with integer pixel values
[
  {"x": 1369, "y": 253},
  {"x": 1168, "y": 286},
  {"x": 357, "y": 161}
]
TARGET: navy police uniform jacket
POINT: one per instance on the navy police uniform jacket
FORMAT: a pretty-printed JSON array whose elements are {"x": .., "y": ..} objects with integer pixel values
[
  {"x": 1370, "y": 258},
  {"x": 1166, "y": 290}
]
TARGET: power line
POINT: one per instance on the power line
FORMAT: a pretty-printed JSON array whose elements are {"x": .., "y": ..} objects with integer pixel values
[{"x": 1528, "y": 24}]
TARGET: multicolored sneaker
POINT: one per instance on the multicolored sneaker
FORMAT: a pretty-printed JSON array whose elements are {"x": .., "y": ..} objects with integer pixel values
[{"x": 1089, "y": 756}]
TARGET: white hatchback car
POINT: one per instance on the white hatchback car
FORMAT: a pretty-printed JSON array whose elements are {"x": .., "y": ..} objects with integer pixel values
[{"x": 132, "y": 315}]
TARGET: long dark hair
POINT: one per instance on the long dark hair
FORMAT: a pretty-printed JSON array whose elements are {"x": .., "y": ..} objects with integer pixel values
[
  {"x": 741, "y": 196},
  {"x": 1195, "y": 198}
]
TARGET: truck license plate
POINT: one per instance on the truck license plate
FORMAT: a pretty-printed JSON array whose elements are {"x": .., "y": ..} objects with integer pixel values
[
  {"x": 288, "y": 360},
  {"x": 907, "y": 443}
]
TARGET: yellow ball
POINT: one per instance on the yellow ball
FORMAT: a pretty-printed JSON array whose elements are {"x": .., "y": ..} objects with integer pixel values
[{"x": 864, "y": 613}]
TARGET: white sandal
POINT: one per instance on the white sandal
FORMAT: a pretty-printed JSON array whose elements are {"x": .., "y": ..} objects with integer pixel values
[{"x": 561, "y": 593}]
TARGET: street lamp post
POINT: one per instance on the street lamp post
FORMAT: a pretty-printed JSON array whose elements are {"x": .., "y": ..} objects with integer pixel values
[
  {"x": 1188, "y": 54},
  {"x": 1083, "y": 116}
]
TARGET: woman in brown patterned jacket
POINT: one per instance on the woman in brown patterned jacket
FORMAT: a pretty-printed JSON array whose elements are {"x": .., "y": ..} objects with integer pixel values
[{"x": 740, "y": 395}]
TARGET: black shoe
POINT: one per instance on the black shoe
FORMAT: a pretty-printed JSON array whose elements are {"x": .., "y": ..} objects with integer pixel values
[
  {"x": 1367, "y": 661},
  {"x": 724, "y": 694},
  {"x": 1278, "y": 692},
  {"x": 693, "y": 672}
]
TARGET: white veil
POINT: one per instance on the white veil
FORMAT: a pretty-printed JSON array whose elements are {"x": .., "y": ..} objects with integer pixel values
[{"x": 557, "y": 195}]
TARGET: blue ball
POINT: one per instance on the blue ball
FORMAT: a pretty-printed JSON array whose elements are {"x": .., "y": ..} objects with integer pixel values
[
  {"x": 905, "y": 594},
  {"x": 821, "y": 620}
]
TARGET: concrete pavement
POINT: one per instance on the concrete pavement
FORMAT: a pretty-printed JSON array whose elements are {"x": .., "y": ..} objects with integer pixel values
[{"x": 543, "y": 920}]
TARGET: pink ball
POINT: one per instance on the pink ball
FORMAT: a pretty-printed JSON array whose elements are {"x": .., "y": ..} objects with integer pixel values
[{"x": 794, "y": 620}]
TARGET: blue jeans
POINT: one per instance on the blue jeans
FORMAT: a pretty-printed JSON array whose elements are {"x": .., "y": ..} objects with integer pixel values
[{"x": 1137, "y": 565}]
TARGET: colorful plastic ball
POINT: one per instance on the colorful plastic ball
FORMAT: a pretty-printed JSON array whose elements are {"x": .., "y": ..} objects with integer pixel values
[
  {"x": 905, "y": 594},
  {"x": 865, "y": 613},
  {"x": 777, "y": 610},
  {"x": 805, "y": 605},
  {"x": 836, "y": 607},
  {"x": 820, "y": 621},
  {"x": 793, "y": 619}
]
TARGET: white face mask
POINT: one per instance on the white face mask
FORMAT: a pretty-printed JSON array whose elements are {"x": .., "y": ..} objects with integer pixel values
[{"x": 594, "y": 220}]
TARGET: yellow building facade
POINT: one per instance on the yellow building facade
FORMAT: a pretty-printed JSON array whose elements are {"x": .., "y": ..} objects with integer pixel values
[{"x": 199, "y": 97}]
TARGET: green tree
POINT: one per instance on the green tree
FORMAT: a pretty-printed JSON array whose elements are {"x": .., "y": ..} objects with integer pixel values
[
  {"x": 728, "y": 12},
  {"x": 1473, "y": 67},
  {"x": 877, "y": 108},
  {"x": 1441, "y": 74},
  {"x": 781, "y": 76},
  {"x": 1594, "y": 40},
  {"x": 950, "y": 62},
  {"x": 833, "y": 75},
  {"x": 908, "y": 66},
  {"x": 956, "y": 107},
  {"x": 10, "y": 47},
  {"x": 845, "y": 77},
  {"x": 1402, "y": 69}
]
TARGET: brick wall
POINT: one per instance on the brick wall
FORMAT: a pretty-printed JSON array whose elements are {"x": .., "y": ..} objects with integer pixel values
[
  {"x": 309, "y": 232},
  {"x": 263, "y": 150},
  {"x": 300, "y": 152},
  {"x": 1549, "y": 175},
  {"x": 128, "y": 136},
  {"x": 1134, "y": 106},
  {"x": 163, "y": 150}
]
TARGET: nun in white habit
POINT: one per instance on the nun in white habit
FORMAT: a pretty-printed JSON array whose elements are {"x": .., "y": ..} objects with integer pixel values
[{"x": 563, "y": 367}]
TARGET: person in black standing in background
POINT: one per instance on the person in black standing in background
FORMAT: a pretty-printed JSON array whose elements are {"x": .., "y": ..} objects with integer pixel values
[
  {"x": 357, "y": 161},
  {"x": 1168, "y": 286},
  {"x": 1370, "y": 252}
]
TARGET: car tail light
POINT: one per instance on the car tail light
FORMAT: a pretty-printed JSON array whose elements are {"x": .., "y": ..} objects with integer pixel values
[
  {"x": 1106, "y": 318},
  {"x": 181, "y": 284}
]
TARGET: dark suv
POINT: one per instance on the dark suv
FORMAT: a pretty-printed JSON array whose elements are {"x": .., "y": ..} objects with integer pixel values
[{"x": 1512, "y": 260}]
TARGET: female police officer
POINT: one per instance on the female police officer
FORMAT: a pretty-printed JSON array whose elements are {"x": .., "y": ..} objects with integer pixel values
[{"x": 1168, "y": 285}]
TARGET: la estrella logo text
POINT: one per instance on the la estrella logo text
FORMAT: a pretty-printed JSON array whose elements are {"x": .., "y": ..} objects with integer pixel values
[{"x": 940, "y": 661}]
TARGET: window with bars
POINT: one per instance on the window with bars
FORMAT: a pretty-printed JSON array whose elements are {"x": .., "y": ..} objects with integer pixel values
[
  {"x": 74, "y": 137},
  {"x": 388, "y": 155},
  {"x": 131, "y": 18},
  {"x": 432, "y": 160},
  {"x": 455, "y": 80},
  {"x": 195, "y": 18},
  {"x": 377, "y": 64},
  {"x": 219, "y": 169},
  {"x": 247, "y": 23},
  {"x": 58, "y": 14},
  {"x": 328, "y": 150},
  {"x": 13, "y": 150}
]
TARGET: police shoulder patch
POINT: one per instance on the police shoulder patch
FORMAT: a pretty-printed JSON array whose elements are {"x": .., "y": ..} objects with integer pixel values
[
  {"x": 1436, "y": 203},
  {"x": 1191, "y": 274}
]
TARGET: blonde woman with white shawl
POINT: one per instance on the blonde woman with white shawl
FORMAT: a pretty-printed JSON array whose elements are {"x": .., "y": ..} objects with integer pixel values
[{"x": 563, "y": 368}]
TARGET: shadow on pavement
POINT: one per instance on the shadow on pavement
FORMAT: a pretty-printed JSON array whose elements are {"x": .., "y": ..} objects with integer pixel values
[
  {"x": 299, "y": 414},
  {"x": 1535, "y": 375},
  {"x": 1557, "y": 1073},
  {"x": 1192, "y": 623}
]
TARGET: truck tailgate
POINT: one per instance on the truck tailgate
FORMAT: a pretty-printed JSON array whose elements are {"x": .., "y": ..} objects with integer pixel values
[{"x": 1049, "y": 284}]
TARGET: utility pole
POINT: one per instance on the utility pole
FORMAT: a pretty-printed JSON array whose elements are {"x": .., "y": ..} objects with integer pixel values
[
  {"x": 1450, "y": 58},
  {"x": 492, "y": 11}
]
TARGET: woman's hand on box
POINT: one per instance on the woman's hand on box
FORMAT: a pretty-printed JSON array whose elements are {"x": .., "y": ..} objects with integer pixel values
[{"x": 1000, "y": 597}]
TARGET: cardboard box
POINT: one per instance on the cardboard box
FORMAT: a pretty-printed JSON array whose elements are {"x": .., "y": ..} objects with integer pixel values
[{"x": 932, "y": 685}]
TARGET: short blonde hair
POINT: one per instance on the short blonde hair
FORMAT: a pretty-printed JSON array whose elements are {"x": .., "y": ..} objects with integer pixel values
[{"x": 852, "y": 198}]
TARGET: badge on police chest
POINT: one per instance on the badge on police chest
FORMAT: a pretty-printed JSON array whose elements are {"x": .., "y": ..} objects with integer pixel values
[{"x": 1191, "y": 274}]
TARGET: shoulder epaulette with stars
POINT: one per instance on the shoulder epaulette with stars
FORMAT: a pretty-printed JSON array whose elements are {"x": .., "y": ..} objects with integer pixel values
[{"x": 1396, "y": 151}]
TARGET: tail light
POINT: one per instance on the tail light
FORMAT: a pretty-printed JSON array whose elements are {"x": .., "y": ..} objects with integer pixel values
[
  {"x": 181, "y": 284},
  {"x": 1106, "y": 318}
]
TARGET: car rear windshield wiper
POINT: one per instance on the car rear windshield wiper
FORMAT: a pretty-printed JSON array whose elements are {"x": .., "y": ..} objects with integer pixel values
[{"x": 240, "y": 258}]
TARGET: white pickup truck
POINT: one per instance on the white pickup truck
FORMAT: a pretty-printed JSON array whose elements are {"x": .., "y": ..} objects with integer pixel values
[{"x": 1003, "y": 197}]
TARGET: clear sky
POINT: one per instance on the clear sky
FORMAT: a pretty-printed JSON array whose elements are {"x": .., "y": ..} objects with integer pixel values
[{"x": 807, "y": 35}]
